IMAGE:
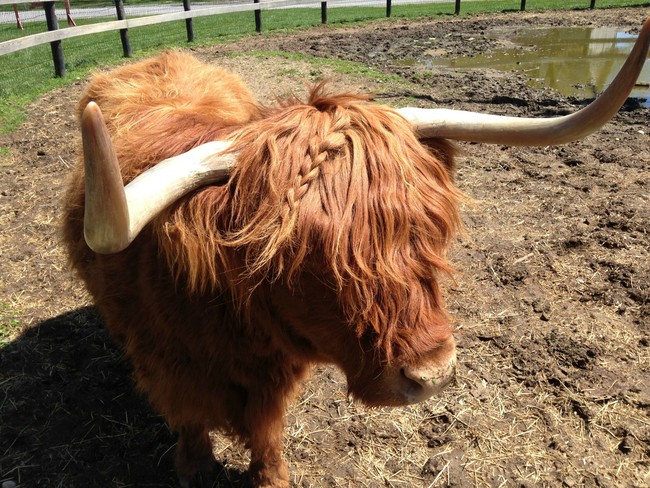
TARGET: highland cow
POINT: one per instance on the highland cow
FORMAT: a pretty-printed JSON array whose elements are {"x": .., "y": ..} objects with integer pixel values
[{"x": 315, "y": 232}]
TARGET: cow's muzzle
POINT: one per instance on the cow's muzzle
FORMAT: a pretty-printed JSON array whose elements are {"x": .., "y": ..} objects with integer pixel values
[{"x": 430, "y": 376}]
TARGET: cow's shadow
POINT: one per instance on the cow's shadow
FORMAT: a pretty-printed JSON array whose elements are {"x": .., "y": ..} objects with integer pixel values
[{"x": 69, "y": 415}]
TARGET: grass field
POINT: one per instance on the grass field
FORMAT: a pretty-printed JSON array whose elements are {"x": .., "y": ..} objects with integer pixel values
[{"x": 28, "y": 74}]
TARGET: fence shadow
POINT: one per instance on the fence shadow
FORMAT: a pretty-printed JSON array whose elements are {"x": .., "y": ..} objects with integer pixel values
[{"x": 69, "y": 415}]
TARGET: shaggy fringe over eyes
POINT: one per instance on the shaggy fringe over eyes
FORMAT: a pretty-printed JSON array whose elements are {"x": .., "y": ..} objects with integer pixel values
[{"x": 339, "y": 187}]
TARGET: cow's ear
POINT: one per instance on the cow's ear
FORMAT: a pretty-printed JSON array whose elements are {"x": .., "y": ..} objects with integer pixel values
[{"x": 444, "y": 151}]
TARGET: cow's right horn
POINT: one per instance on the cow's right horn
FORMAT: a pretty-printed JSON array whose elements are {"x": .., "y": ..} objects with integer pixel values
[{"x": 114, "y": 215}]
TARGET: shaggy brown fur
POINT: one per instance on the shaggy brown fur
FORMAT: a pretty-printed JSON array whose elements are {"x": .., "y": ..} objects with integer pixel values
[{"x": 325, "y": 245}]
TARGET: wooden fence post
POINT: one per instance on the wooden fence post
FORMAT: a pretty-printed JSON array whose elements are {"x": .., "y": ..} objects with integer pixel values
[
  {"x": 389, "y": 7},
  {"x": 19, "y": 23},
  {"x": 592, "y": 5},
  {"x": 57, "y": 49},
  {"x": 323, "y": 12},
  {"x": 124, "y": 33},
  {"x": 258, "y": 18},
  {"x": 522, "y": 6},
  {"x": 457, "y": 10},
  {"x": 188, "y": 22}
]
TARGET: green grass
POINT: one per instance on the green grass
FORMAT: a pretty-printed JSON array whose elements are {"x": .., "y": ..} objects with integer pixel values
[
  {"x": 9, "y": 323},
  {"x": 27, "y": 75}
]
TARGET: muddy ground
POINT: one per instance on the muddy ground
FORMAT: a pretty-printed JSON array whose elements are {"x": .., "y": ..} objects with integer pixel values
[{"x": 552, "y": 295}]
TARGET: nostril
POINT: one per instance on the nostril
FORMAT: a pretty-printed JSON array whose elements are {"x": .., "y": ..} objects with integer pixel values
[{"x": 413, "y": 383}]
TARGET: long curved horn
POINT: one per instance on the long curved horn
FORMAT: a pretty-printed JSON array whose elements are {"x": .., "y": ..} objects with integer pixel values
[
  {"x": 114, "y": 215},
  {"x": 515, "y": 131}
]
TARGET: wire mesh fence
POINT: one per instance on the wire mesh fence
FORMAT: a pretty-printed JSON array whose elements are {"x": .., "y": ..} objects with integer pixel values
[{"x": 103, "y": 9}]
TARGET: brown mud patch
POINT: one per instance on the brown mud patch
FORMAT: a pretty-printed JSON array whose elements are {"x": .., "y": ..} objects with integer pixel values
[{"x": 552, "y": 298}]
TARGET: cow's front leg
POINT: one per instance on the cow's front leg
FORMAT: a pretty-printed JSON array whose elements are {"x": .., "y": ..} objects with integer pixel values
[
  {"x": 263, "y": 426},
  {"x": 267, "y": 469},
  {"x": 264, "y": 423},
  {"x": 193, "y": 457}
]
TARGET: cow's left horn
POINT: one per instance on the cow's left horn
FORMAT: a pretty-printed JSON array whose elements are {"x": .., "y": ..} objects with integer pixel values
[
  {"x": 114, "y": 215},
  {"x": 514, "y": 131}
]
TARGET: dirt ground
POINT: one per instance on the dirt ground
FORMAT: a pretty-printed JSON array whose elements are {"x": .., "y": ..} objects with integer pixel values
[{"x": 552, "y": 295}]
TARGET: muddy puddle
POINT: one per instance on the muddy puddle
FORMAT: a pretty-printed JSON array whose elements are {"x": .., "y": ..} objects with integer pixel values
[{"x": 576, "y": 61}]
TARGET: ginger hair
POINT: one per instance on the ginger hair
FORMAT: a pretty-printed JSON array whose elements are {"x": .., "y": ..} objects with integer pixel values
[{"x": 337, "y": 186}]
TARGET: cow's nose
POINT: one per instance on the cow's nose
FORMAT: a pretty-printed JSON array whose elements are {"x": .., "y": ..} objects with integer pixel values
[{"x": 424, "y": 381}]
